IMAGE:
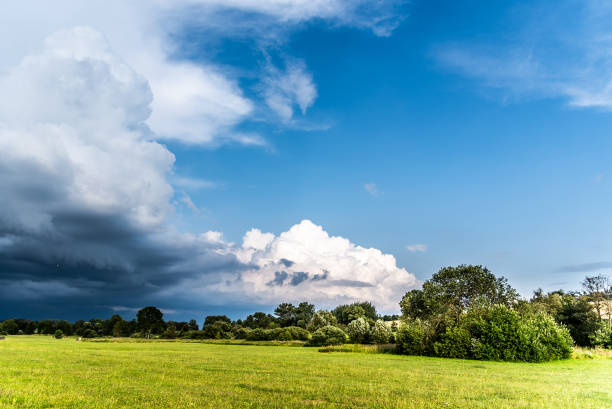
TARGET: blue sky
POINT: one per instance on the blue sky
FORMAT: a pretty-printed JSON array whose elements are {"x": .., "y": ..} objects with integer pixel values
[
  {"x": 413, "y": 135},
  {"x": 476, "y": 174}
]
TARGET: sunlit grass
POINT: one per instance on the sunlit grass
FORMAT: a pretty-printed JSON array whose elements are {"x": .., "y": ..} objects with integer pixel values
[{"x": 42, "y": 372}]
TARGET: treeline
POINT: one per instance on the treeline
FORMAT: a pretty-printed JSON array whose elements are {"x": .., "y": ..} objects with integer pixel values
[
  {"x": 467, "y": 312},
  {"x": 461, "y": 312},
  {"x": 288, "y": 323}
]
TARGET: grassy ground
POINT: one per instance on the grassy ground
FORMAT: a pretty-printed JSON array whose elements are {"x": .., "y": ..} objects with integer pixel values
[{"x": 41, "y": 372}]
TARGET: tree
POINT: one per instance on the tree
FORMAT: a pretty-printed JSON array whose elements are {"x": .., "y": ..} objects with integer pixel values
[
  {"x": 121, "y": 329},
  {"x": 320, "y": 319},
  {"x": 595, "y": 289},
  {"x": 211, "y": 319},
  {"x": 303, "y": 314},
  {"x": 58, "y": 334},
  {"x": 286, "y": 314},
  {"x": 259, "y": 320},
  {"x": 347, "y": 313},
  {"x": 358, "y": 330},
  {"x": 453, "y": 290},
  {"x": 380, "y": 333},
  {"x": 150, "y": 321},
  {"x": 193, "y": 325}
]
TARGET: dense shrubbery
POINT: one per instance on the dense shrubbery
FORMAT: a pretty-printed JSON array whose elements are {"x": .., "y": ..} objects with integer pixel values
[
  {"x": 490, "y": 333},
  {"x": 466, "y": 312},
  {"x": 328, "y": 335},
  {"x": 277, "y": 334}
]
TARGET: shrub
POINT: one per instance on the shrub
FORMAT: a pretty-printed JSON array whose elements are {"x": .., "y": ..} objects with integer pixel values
[
  {"x": 242, "y": 333},
  {"x": 411, "y": 338},
  {"x": 358, "y": 331},
  {"x": 89, "y": 333},
  {"x": 328, "y": 335},
  {"x": 277, "y": 334},
  {"x": 455, "y": 342},
  {"x": 58, "y": 334},
  {"x": 217, "y": 330},
  {"x": 380, "y": 333},
  {"x": 503, "y": 334},
  {"x": 258, "y": 334}
]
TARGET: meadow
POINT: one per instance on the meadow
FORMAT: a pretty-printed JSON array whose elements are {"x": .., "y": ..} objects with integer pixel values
[{"x": 42, "y": 372}]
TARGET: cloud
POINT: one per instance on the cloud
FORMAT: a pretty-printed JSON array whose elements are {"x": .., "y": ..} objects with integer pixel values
[
  {"x": 88, "y": 190},
  {"x": 285, "y": 89},
  {"x": 323, "y": 269},
  {"x": 371, "y": 188},
  {"x": 413, "y": 248},
  {"x": 585, "y": 267},
  {"x": 553, "y": 54},
  {"x": 85, "y": 192},
  {"x": 196, "y": 102}
]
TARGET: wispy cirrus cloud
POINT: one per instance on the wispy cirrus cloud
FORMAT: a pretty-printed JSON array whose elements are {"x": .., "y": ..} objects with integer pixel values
[
  {"x": 585, "y": 267},
  {"x": 559, "y": 50}
]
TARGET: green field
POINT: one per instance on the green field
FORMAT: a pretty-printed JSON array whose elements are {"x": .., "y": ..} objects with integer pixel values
[{"x": 42, "y": 372}]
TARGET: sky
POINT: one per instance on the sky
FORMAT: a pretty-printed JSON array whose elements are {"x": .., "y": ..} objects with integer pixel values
[{"x": 210, "y": 156}]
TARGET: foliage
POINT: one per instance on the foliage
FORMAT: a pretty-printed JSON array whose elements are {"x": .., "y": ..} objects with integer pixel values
[
  {"x": 380, "y": 333},
  {"x": 453, "y": 290},
  {"x": 328, "y": 335},
  {"x": 412, "y": 338},
  {"x": 320, "y": 319},
  {"x": 358, "y": 330},
  {"x": 289, "y": 315},
  {"x": 278, "y": 334},
  {"x": 58, "y": 334},
  {"x": 573, "y": 311},
  {"x": 150, "y": 320},
  {"x": 489, "y": 333},
  {"x": 211, "y": 319},
  {"x": 347, "y": 313}
]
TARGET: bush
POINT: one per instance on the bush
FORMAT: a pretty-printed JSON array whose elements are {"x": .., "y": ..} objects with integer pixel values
[
  {"x": 495, "y": 333},
  {"x": 217, "y": 330},
  {"x": 358, "y": 331},
  {"x": 502, "y": 334},
  {"x": 89, "y": 333},
  {"x": 455, "y": 342},
  {"x": 328, "y": 335},
  {"x": 277, "y": 334},
  {"x": 380, "y": 333},
  {"x": 242, "y": 333},
  {"x": 411, "y": 338},
  {"x": 58, "y": 334}
]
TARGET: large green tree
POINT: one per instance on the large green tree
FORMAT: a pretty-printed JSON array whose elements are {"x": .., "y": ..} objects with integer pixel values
[
  {"x": 453, "y": 290},
  {"x": 150, "y": 321}
]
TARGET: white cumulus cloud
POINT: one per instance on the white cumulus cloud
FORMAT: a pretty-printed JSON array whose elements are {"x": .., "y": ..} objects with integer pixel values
[{"x": 306, "y": 263}]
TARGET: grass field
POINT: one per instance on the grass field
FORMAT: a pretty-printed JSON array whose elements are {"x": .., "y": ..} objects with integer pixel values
[{"x": 41, "y": 372}]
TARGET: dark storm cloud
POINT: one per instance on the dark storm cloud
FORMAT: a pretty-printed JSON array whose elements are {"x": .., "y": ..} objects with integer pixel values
[
  {"x": 279, "y": 278},
  {"x": 298, "y": 278},
  {"x": 286, "y": 263},
  {"x": 87, "y": 261}
]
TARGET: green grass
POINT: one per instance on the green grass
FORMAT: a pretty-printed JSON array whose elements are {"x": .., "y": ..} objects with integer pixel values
[{"x": 42, "y": 372}]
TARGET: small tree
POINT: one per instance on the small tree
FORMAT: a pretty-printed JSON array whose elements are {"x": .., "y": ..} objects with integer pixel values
[
  {"x": 320, "y": 319},
  {"x": 58, "y": 334},
  {"x": 380, "y": 333},
  {"x": 358, "y": 330},
  {"x": 595, "y": 289}
]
